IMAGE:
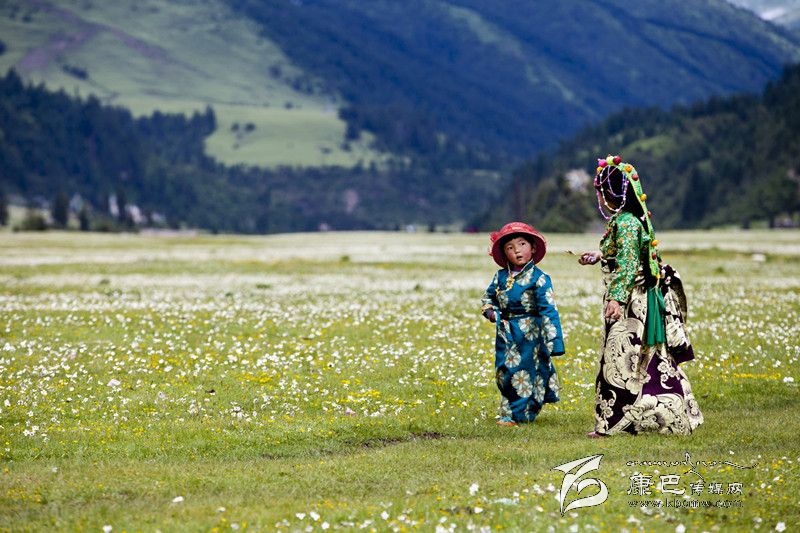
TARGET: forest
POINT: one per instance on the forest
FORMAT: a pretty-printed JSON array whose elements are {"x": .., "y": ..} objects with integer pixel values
[
  {"x": 723, "y": 161},
  {"x": 115, "y": 168},
  {"x": 508, "y": 79}
]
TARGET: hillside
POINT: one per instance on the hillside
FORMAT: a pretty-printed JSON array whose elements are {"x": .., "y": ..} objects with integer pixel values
[
  {"x": 310, "y": 82},
  {"x": 519, "y": 76},
  {"x": 181, "y": 57},
  {"x": 723, "y": 161},
  {"x": 154, "y": 168}
]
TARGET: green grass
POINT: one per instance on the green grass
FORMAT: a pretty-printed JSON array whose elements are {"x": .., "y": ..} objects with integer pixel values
[
  {"x": 349, "y": 375},
  {"x": 285, "y": 137},
  {"x": 181, "y": 57}
]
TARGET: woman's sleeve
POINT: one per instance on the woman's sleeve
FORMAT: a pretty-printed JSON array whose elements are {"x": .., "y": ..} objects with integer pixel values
[
  {"x": 489, "y": 299},
  {"x": 551, "y": 322},
  {"x": 629, "y": 233}
]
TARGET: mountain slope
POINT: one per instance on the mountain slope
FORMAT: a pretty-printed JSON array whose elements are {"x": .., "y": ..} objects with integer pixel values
[
  {"x": 52, "y": 145},
  {"x": 724, "y": 161},
  {"x": 181, "y": 57},
  {"x": 423, "y": 76},
  {"x": 518, "y": 76}
]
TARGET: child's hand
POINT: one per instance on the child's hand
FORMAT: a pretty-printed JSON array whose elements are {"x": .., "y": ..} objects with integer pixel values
[
  {"x": 490, "y": 316},
  {"x": 589, "y": 258}
]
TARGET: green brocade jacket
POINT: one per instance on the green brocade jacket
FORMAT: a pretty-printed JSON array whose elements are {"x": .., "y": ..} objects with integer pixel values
[{"x": 625, "y": 242}]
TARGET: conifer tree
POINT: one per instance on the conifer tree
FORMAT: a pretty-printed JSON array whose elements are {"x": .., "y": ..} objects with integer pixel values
[{"x": 60, "y": 209}]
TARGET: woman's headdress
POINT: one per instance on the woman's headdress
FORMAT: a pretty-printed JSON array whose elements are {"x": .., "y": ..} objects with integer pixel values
[{"x": 630, "y": 184}]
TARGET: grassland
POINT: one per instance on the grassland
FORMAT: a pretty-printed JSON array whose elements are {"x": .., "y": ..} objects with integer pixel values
[
  {"x": 181, "y": 57},
  {"x": 344, "y": 381}
]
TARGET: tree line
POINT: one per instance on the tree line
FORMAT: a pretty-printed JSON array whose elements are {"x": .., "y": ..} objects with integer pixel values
[
  {"x": 731, "y": 160},
  {"x": 114, "y": 171}
]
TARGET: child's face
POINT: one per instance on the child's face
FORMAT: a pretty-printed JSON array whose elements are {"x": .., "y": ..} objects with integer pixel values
[{"x": 518, "y": 251}]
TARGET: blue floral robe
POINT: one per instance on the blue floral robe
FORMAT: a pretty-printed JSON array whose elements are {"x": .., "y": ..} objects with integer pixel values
[{"x": 528, "y": 334}]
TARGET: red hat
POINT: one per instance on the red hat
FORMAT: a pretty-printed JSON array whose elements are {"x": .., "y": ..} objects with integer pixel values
[{"x": 539, "y": 243}]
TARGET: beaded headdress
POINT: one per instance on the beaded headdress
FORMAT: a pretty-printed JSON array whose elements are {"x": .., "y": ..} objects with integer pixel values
[{"x": 631, "y": 184}]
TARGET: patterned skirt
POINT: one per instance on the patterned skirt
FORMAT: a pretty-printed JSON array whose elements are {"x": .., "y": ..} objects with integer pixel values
[{"x": 641, "y": 388}]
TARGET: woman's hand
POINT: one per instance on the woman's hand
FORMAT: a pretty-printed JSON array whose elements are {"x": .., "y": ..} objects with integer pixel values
[
  {"x": 613, "y": 310},
  {"x": 490, "y": 315},
  {"x": 589, "y": 258}
]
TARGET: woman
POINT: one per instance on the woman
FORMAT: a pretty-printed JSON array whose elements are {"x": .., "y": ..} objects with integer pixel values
[{"x": 639, "y": 386}]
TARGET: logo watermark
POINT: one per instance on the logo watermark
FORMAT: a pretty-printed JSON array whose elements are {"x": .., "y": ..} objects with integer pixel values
[
  {"x": 693, "y": 493},
  {"x": 581, "y": 466},
  {"x": 677, "y": 489}
]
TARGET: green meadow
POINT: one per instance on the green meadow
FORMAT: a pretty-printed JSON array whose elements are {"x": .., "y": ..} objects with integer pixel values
[{"x": 344, "y": 381}]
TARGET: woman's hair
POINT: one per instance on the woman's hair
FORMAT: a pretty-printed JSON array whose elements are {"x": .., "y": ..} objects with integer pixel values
[{"x": 612, "y": 184}]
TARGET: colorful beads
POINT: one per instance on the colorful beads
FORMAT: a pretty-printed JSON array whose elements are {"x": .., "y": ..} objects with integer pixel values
[
  {"x": 655, "y": 242},
  {"x": 643, "y": 197},
  {"x": 654, "y": 255},
  {"x": 599, "y": 170},
  {"x": 601, "y": 163},
  {"x": 617, "y": 160},
  {"x": 635, "y": 177},
  {"x": 649, "y": 214},
  {"x": 610, "y": 160},
  {"x": 628, "y": 168}
]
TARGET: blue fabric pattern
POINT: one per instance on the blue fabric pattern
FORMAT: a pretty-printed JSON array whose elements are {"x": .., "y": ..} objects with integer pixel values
[{"x": 528, "y": 334}]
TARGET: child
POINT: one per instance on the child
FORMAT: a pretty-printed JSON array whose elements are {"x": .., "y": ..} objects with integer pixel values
[{"x": 520, "y": 301}]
